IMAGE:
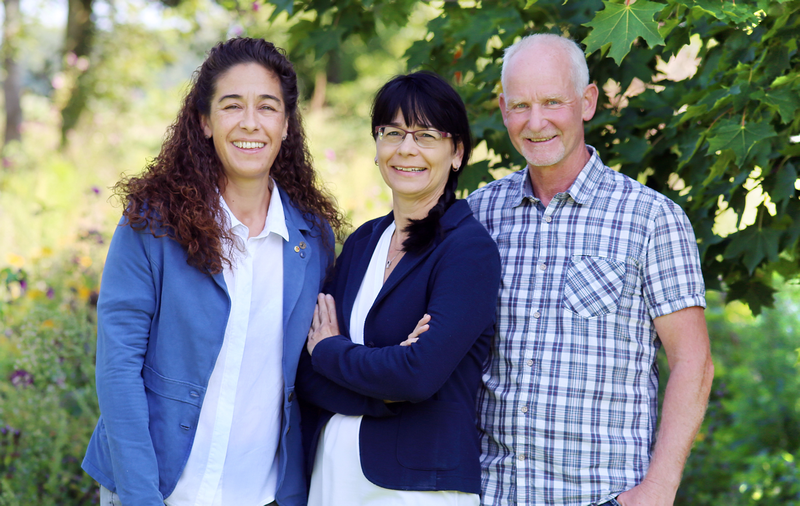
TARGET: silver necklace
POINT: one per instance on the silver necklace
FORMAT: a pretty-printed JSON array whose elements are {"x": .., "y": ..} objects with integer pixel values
[{"x": 389, "y": 262}]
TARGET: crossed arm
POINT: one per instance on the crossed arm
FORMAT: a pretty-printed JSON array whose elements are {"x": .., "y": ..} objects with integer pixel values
[{"x": 685, "y": 339}]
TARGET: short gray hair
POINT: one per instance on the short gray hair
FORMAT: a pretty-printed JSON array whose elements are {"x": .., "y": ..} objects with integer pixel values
[{"x": 577, "y": 60}]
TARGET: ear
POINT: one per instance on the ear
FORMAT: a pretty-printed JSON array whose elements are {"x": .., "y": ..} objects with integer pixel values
[
  {"x": 285, "y": 127},
  {"x": 501, "y": 100},
  {"x": 458, "y": 156},
  {"x": 206, "y": 127},
  {"x": 590, "y": 95}
]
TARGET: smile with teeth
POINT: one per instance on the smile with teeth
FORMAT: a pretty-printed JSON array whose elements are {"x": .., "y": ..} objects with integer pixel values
[
  {"x": 410, "y": 169},
  {"x": 540, "y": 139},
  {"x": 248, "y": 145}
]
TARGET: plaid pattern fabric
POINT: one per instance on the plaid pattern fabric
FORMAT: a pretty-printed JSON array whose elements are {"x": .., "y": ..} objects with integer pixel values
[{"x": 569, "y": 402}]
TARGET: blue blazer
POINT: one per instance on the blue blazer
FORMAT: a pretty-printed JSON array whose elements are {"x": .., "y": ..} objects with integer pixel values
[
  {"x": 429, "y": 440},
  {"x": 161, "y": 323}
]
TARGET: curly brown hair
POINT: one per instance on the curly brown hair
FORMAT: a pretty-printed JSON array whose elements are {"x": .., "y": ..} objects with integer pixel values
[{"x": 178, "y": 194}]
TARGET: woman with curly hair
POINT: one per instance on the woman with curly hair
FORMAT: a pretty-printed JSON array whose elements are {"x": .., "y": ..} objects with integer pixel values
[{"x": 208, "y": 292}]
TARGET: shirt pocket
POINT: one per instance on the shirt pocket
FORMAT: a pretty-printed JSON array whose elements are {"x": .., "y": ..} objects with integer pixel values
[{"x": 593, "y": 285}]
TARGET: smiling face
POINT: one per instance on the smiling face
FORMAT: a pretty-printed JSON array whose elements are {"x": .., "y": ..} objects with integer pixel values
[
  {"x": 416, "y": 174},
  {"x": 542, "y": 111},
  {"x": 247, "y": 121}
]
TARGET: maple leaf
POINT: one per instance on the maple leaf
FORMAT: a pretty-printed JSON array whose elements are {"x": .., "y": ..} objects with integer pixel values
[
  {"x": 731, "y": 134},
  {"x": 620, "y": 24}
]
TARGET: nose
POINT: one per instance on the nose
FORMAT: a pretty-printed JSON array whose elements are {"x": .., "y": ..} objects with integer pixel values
[
  {"x": 408, "y": 146},
  {"x": 536, "y": 119},
  {"x": 248, "y": 121}
]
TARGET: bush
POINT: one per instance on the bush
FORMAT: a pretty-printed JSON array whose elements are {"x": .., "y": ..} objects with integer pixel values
[
  {"x": 48, "y": 405},
  {"x": 746, "y": 451}
]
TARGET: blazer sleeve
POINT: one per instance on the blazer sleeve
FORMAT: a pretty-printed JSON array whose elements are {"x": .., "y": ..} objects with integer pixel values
[
  {"x": 125, "y": 312},
  {"x": 316, "y": 389},
  {"x": 462, "y": 306}
]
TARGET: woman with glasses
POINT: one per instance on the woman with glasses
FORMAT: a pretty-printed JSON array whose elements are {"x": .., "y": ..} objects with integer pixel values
[{"x": 394, "y": 355}]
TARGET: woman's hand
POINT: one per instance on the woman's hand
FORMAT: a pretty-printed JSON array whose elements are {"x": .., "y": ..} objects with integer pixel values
[
  {"x": 324, "y": 324},
  {"x": 422, "y": 326}
]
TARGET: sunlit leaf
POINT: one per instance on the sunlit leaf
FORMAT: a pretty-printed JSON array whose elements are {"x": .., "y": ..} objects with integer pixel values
[
  {"x": 754, "y": 245},
  {"x": 782, "y": 100},
  {"x": 731, "y": 134},
  {"x": 619, "y": 25}
]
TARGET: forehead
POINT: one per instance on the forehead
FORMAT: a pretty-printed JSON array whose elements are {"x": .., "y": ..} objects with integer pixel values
[
  {"x": 248, "y": 79},
  {"x": 539, "y": 70},
  {"x": 416, "y": 121}
]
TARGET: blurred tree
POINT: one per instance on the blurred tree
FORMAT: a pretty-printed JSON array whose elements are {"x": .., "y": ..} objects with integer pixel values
[
  {"x": 79, "y": 46},
  {"x": 12, "y": 87},
  {"x": 717, "y": 140},
  {"x": 78, "y": 39}
]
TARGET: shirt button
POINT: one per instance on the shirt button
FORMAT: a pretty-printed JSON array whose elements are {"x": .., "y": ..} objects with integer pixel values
[
  {"x": 548, "y": 219},
  {"x": 542, "y": 266},
  {"x": 521, "y": 456},
  {"x": 529, "y": 362},
  {"x": 524, "y": 409},
  {"x": 537, "y": 314}
]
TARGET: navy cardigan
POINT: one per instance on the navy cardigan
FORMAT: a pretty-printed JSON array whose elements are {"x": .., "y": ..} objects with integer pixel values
[{"x": 429, "y": 440}]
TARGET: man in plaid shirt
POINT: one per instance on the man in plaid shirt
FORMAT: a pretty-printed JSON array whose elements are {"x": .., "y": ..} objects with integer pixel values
[{"x": 599, "y": 272}]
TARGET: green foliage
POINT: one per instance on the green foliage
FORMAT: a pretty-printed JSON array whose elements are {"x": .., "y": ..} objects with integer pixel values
[
  {"x": 48, "y": 405},
  {"x": 746, "y": 452},
  {"x": 718, "y": 141},
  {"x": 619, "y": 25}
]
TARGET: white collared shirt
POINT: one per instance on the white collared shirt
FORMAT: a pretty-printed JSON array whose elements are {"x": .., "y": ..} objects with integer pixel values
[{"x": 234, "y": 459}]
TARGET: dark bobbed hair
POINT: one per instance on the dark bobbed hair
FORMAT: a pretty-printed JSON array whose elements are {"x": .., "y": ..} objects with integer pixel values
[
  {"x": 178, "y": 194},
  {"x": 427, "y": 100}
]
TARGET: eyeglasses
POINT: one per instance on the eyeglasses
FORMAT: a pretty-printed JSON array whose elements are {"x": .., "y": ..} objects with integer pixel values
[{"x": 427, "y": 138}]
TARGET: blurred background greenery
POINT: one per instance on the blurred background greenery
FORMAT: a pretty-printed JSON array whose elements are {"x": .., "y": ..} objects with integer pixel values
[{"x": 56, "y": 218}]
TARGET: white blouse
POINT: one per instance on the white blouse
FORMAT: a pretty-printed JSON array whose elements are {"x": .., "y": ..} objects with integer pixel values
[{"x": 337, "y": 478}]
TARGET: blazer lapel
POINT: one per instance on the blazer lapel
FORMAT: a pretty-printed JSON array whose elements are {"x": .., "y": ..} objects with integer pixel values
[
  {"x": 296, "y": 254},
  {"x": 452, "y": 217},
  {"x": 362, "y": 255}
]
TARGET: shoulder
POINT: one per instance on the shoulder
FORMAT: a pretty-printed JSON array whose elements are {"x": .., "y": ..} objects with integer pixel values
[
  {"x": 498, "y": 187},
  {"x": 465, "y": 235},
  {"x": 618, "y": 186}
]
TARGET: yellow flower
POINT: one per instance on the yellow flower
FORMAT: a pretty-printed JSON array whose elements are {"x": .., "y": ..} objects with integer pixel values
[
  {"x": 48, "y": 324},
  {"x": 85, "y": 262},
  {"x": 35, "y": 294},
  {"x": 83, "y": 293},
  {"x": 15, "y": 260}
]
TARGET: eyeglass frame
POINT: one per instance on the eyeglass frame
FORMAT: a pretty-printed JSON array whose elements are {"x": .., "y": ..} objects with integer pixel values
[{"x": 379, "y": 132}]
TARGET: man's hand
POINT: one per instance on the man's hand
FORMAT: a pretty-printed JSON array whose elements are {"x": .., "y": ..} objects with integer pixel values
[
  {"x": 647, "y": 493},
  {"x": 324, "y": 323}
]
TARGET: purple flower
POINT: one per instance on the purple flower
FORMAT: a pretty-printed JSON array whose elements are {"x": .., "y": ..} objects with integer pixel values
[
  {"x": 50, "y": 292},
  {"x": 96, "y": 190},
  {"x": 23, "y": 284},
  {"x": 21, "y": 377},
  {"x": 256, "y": 6}
]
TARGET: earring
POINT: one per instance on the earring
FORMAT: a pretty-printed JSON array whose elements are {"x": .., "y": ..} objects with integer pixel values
[
  {"x": 284, "y": 137},
  {"x": 376, "y": 161},
  {"x": 455, "y": 169}
]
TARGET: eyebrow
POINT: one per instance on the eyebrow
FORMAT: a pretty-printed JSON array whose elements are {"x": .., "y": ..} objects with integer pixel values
[{"x": 239, "y": 97}]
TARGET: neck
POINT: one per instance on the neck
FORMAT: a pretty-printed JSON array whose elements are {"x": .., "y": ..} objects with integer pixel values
[
  {"x": 554, "y": 179},
  {"x": 249, "y": 203},
  {"x": 405, "y": 210}
]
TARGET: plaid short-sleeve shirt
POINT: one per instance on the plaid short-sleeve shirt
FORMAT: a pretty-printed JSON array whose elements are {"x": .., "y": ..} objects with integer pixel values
[{"x": 568, "y": 406}]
